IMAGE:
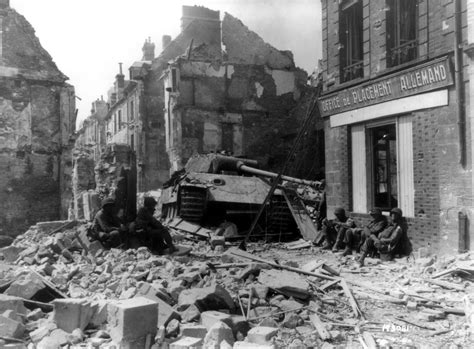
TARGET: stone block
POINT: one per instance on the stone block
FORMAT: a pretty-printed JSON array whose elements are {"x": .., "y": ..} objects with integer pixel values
[
  {"x": 10, "y": 253},
  {"x": 44, "y": 329},
  {"x": 192, "y": 313},
  {"x": 99, "y": 313},
  {"x": 12, "y": 303},
  {"x": 26, "y": 286},
  {"x": 211, "y": 317},
  {"x": 132, "y": 320},
  {"x": 206, "y": 298},
  {"x": 285, "y": 282},
  {"x": 261, "y": 334},
  {"x": 56, "y": 339},
  {"x": 11, "y": 314},
  {"x": 71, "y": 313},
  {"x": 192, "y": 330},
  {"x": 187, "y": 342},
  {"x": 10, "y": 327},
  {"x": 166, "y": 313},
  {"x": 218, "y": 333}
]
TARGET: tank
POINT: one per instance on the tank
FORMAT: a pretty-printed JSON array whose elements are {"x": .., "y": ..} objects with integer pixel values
[{"x": 213, "y": 189}]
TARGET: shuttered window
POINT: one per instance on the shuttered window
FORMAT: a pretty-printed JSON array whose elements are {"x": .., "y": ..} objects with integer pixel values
[{"x": 359, "y": 169}]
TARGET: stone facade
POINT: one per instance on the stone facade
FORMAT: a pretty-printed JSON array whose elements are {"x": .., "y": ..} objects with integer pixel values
[
  {"x": 434, "y": 182},
  {"x": 37, "y": 120},
  {"x": 240, "y": 100}
]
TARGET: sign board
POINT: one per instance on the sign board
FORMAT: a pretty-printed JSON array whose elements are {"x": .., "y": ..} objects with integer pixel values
[{"x": 422, "y": 78}]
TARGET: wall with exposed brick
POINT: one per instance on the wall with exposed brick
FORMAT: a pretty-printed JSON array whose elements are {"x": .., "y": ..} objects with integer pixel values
[{"x": 443, "y": 187}]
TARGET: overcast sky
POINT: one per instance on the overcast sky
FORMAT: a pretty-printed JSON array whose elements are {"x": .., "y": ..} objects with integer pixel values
[{"x": 88, "y": 38}]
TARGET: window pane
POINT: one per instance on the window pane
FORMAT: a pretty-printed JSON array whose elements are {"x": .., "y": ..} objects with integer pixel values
[
  {"x": 350, "y": 38},
  {"x": 384, "y": 162},
  {"x": 402, "y": 43}
]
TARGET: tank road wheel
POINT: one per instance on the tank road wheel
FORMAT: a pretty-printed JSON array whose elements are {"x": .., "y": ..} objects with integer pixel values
[{"x": 193, "y": 204}]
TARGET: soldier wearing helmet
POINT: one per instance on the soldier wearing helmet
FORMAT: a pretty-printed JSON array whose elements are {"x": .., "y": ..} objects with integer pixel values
[
  {"x": 107, "y": 227},
  {"x": 390, "y": 241},
  {"x": 356, "y": 237},
  {"x": 150, "y": 231},
  {"x": 335, "y": 229}
]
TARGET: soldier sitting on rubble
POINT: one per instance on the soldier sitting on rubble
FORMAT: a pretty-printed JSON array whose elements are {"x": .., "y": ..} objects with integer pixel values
[
  {"x": 334, "y": 230},
  {"x": 356, "y": 237},
  {"x": 150, "y": 231},
  {"x": 391, "y": 241},
  {"x": 107, "y": 227}
]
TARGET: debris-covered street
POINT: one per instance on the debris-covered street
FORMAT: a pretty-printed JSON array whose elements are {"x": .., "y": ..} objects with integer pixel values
[
  {"x": 236, "y": 174},
  {"x": 58, "y": 289}
]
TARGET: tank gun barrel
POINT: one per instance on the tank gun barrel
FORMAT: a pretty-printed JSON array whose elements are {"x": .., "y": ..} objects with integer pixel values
[{"x": 242, "y": 167}]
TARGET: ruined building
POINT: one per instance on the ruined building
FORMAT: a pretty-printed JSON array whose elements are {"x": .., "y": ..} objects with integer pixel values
[
  {"x": 37, "y": 119},
  {"x": 217, "y": 86},
  {"x": 229, "y": 92},
  {"x": 397, "y": 114}
]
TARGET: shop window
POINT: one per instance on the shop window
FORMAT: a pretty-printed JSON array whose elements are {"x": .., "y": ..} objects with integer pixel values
[
  {"x": 350, "y": 38},
  {"x": 402, "y": 27},
  {"x": 383, "y": 141}
]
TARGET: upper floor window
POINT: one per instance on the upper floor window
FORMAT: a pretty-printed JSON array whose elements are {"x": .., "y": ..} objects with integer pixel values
[
  {"x": 120, "y": 125},
  {"x": 350, "y": 38},
  {"x": 132, "y": 110},
  {"x": 402, "y": 28}
]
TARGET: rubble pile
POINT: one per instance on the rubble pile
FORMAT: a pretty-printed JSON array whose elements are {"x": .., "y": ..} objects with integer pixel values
[{"x": 60, "y": 290}]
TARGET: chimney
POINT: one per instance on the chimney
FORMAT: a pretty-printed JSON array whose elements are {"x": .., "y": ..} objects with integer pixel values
[
  {"x": 165, "y": 41},
  {"x": 120, "y": 78},
  {"x": 4, "y": 3},
  {"x": 148, "y": 50}
]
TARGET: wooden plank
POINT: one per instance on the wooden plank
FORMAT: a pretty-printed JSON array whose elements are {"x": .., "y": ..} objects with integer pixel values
[
  {"x": 445, "y": 284},
  {"x": 352, "y": 300},
  {"x": 330, "y": 270},
  {"x": 319, "y": 326},
  {"x": 328, "y": 284},
  {"x": 414, "y": 324},
  {"x": 49, "y": 284},
  {"x": 243, "y": 254},
  {"x": 304, "y": 222}
]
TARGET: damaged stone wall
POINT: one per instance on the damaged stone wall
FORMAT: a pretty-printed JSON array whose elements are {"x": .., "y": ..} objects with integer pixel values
[
  {"x": 241, "y": 105},
  {"x": 115, "y": 176},
  {"x": 37, "y": 119},
  {"x": 199, "y": 26}
]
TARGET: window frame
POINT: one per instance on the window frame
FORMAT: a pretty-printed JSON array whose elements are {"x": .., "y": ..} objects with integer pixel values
[
  {"x": 351, "y": 67},
  {"x": 393, "y": 38}
]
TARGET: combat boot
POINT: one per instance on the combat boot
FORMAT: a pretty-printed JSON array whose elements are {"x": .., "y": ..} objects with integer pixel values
[{"x": 347, "y": 251}]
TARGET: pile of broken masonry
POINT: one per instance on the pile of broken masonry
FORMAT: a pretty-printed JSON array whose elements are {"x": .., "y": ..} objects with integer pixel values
[{"x": 58, "y": 290}]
